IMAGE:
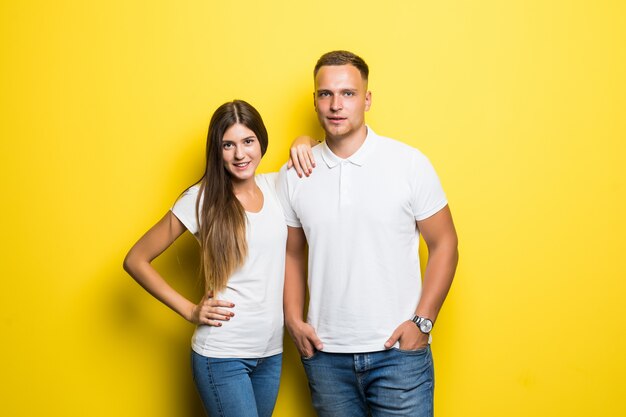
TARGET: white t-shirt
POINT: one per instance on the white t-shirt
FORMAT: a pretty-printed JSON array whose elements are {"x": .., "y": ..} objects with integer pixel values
[
  {"x": 359, "y": 217},
  {"x": 256, "y": 288}
]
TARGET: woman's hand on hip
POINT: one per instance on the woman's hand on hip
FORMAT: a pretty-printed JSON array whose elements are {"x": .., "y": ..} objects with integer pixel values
[{"x": 211, "y": 312}]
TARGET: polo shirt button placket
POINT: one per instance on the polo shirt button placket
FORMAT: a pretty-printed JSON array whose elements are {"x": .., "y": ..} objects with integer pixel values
[{"x": 344, "y": 184}]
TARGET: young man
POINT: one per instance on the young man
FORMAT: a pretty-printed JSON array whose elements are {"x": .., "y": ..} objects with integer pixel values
[{"x": 365, "y": 344}]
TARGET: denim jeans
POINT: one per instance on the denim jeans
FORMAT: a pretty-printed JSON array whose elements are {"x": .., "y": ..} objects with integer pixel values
[
  {"x": 379, "y": 384},
  {"x": 234, "y": 387}
]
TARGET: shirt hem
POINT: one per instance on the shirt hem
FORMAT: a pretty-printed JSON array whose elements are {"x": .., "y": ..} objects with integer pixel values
[
  {"x": 242, "y": 354},
  {"x": 354, "y": 349}
]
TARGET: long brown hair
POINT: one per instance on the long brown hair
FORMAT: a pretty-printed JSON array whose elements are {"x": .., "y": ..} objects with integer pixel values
[{"x": 221, "y": 217}]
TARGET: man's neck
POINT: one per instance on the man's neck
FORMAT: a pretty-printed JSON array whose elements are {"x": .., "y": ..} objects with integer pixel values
[{"x": 345, "y": 146}]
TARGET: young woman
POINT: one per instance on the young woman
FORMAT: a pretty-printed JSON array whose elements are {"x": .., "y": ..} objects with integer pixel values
[{"x": 237, "y": 219}]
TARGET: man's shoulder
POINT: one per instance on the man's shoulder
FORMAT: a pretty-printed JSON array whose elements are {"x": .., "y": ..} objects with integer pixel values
[
  {"x": 317, "y": 151},
  {"x": 395, "y": 148},
  {"x": 286, "y": 173}
]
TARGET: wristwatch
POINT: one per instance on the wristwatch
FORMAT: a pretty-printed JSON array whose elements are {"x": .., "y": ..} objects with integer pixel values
[{"x": 425, "y": 325}]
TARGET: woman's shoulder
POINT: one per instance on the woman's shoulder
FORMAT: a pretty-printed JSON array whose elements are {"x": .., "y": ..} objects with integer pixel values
[
  {"x": 185, "y": 208},
  {"x": 187, "y": 199},
  {"x": 194, "y": 189}
]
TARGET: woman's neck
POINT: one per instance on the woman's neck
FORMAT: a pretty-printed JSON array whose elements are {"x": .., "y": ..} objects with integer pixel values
[
  {"x": 245, "y": 187},
  {"x": 249, "y": 195}
]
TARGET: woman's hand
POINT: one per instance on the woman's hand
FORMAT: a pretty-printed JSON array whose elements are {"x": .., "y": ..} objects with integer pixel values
[
  {"x": 209, "y": 312},
  {"x": 301, "y": 156},
  {"x": 305, "y": 338}
]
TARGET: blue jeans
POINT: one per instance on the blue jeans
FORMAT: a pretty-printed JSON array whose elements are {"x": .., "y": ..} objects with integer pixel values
[
  {"x": 379, "y": 384},
  {"x": 234, "y": 387}
]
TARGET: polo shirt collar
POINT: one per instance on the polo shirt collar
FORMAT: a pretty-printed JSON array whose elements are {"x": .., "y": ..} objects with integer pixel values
[{"x": 358, "y": 158}]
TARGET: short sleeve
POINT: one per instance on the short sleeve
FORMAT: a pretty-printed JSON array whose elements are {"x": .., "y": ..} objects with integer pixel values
[
  {"x": 185, "y": 209},
  {"x": 284, "y": 196},
  {"x": 428, "y": 195}
]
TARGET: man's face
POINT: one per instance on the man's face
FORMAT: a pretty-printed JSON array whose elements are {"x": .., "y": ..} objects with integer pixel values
[{"x": 341, "y": 100}]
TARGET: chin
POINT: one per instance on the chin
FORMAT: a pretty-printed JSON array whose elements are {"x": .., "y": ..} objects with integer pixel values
[
  {"x": 339, "y": 132},
  {"x": 242, "y": 176}
]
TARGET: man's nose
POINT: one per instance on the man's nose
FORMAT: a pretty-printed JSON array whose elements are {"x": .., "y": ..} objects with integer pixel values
[{"x": 336, "y": 103}]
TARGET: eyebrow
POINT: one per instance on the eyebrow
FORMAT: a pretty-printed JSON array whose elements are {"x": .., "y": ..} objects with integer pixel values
[
  {"x": 231, "y": 141},
  {"x": 341, "y": 90}
]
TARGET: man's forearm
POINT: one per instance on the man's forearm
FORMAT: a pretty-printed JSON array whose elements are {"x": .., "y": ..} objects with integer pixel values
[{"x": 440, "y": 269}]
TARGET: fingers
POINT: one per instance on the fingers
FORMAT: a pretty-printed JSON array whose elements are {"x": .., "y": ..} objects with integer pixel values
[
  {"x": 409, "y": 337},
  {"x": 301, "y": 158},
  {"x": 305, "y": 157},
  {"x": 214, "y": 317},
  {"x": 315, "y": 341},
  {"x": 310, "y": 343},
  {"x": 213, "y": 323},
  {"x": 306, "y": 349},
  {"x": 218, "y": 313},
  {"x": 309, "y": 156},
  {"x": 395, "y": 336},
  {"x": 212, "y": 302},
  {"x": 213, "y": 312},
  {"x": 295, "y": 161}
]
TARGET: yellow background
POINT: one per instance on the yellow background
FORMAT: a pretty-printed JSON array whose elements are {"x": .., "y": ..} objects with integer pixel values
[{"x": 520, "y": 105}]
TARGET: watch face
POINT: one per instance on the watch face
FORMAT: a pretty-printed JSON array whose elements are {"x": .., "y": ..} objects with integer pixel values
[{"x": 426, "y": 326}]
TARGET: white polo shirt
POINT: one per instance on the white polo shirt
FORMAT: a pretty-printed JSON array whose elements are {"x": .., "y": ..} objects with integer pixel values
[{"x": 358, "y": 215}]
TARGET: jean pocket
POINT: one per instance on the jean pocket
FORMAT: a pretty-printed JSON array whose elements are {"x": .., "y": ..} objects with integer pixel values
[{"x": 308, "y": 358}]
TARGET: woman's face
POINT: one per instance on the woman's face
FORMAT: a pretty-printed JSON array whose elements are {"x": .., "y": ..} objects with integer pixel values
[{"x": 241, "y": 152}]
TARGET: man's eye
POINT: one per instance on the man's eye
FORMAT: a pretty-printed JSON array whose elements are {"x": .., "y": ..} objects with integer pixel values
[
  {"x": 324, "y": 94},
  {"x": 349, "y": 93}
]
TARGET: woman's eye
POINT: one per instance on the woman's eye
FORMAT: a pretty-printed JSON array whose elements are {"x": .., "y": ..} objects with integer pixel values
[{"x": 227, "y": 145}]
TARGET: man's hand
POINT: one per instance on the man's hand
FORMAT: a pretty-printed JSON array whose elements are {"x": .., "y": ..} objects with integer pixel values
[
  {"x": 410, "y": 337},
  {"x": 305, "y": 338}
]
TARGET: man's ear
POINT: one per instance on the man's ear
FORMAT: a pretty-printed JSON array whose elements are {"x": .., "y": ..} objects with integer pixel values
[{"x": 368, "y": 100}]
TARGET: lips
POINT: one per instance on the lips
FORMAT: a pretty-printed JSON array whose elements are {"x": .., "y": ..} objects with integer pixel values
[
  {"x": 242, "y": 165},
  {"x": 336, "y": 119}
]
